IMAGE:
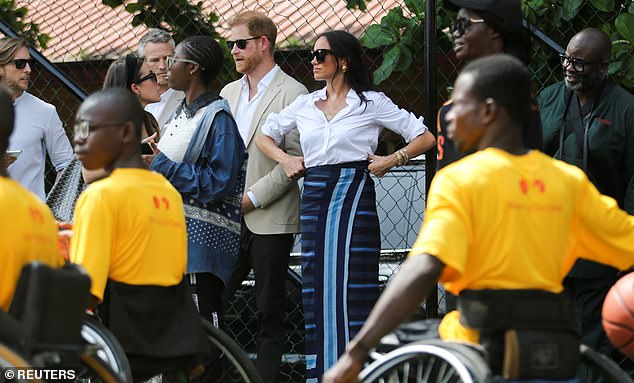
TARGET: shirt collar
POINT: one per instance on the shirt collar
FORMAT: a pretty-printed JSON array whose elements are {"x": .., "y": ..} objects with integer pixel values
[
  {"x": 264, "y": 82},
  {"x": 17, "y": 100},
  {"x": 200, "y": 102},
  {"x": 165, "y": 95},
  {"x": 351, "y": 96}
]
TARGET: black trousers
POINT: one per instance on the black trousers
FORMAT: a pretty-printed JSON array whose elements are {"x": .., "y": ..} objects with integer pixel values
[{"x": 268, "y": 256}]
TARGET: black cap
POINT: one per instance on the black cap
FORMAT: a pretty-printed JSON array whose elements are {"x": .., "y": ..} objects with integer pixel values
[{"x": 504, "y": 16}]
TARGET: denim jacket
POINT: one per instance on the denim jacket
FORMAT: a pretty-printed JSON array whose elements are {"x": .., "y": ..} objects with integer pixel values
[{"x": 211, "y": 181}]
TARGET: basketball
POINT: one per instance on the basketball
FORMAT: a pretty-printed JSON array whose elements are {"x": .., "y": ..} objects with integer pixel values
[{"x": 618, "y": 315}]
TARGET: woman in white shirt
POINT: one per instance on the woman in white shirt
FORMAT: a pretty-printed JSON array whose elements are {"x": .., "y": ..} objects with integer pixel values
[{"x": 339, "y": 128}]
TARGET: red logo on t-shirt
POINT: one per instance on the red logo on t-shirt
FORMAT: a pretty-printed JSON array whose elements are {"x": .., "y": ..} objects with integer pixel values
[
  {"x": 36, "y": 215},
  {"x": 157, "y": 202},
  {"x": 539, "y": 184}
]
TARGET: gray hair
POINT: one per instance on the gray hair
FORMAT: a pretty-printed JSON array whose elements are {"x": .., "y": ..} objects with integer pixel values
[{"x": 154, "y": 35}]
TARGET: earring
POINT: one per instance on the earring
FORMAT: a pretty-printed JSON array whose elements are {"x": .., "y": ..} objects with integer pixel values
[{"x": 344, "y": 68}]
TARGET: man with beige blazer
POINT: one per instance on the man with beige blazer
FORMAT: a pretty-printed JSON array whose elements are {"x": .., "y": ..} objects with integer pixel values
[
  {"x": 270, "y": 204},
  {"x": 155, "y": 47}
]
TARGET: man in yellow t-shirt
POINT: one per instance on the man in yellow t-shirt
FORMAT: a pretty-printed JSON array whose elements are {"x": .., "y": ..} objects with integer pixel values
[
  {"x": 130, "y": 236},
  {"x": 27, "y": 232},
  {"x": 504, "y": 219}
]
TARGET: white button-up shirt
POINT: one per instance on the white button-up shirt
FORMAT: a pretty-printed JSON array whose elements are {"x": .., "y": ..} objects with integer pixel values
[
  {"x": 246, "y": 108},
  {"x": 352, "y": 135}
]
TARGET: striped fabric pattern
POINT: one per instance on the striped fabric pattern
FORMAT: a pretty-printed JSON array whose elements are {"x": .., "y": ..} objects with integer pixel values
[{"x": 340, "y": 256}]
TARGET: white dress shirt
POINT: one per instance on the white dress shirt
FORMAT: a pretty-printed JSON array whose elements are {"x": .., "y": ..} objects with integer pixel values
[
  {"x": 246, "y": 108},
  {"x": 352, "y": 135},
  {"x": 38, "y": 130},
  {"x": 156, "y": 108}
]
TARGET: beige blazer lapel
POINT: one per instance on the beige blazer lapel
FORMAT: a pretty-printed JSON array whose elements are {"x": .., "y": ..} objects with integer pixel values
[{"x": 271, "y": 92}]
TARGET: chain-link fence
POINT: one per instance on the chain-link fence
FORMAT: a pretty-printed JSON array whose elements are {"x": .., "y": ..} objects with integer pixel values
[{"x": 86, "y": 35}]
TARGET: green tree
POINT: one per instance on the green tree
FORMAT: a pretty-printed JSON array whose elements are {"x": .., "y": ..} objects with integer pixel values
[{"x": 15, "y": 16}]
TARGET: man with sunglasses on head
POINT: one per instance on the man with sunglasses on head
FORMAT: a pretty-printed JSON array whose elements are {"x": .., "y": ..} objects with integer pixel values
[
  {"x": 483, "y": 28},
  {"x": 38, "y": 128},
  {"x": 270, "y": 204},
  {"x": 588, "y": 121},
  {"x": 155, "y": 47}
]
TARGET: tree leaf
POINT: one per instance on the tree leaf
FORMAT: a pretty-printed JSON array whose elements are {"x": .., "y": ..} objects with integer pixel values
[
  {"x": 404, "y": 59},
  {"x": 602, "y": 5},
  {"x": 571, "y": 8},
  {"x": 388, "y": 65},
  {"x": 133, "y": 7},
  {"x": 624, "y": 24},
  {"x": 112, "y": 3},
  {"x": 376, "y": 36},
  {"x": 416, "y": 6}
]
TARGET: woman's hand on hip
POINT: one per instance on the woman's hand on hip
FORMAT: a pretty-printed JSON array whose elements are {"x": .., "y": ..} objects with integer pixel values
[{"x": 379, "y": 165}]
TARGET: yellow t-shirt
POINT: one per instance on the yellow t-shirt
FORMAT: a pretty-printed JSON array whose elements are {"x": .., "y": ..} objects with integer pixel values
[
  {"x": 499, "y": 221},
  {"x": 27, "y": 233},
  {"x": 130, "y": 227}
]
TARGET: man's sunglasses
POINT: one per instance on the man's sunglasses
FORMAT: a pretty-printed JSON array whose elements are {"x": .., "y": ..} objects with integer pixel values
[
  {"x": 462, "y": 25},
  {"x": 577, "y": 64},
  {"x": 21, "y": 63},
  {"x": 240, "y": 43},
  {"x": 320, "y": 55},
  {"x": 149, "y": 76}
]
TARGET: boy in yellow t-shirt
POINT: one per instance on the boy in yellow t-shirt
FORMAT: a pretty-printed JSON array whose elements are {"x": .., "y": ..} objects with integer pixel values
[
  {"x": 130, "y": 236},
  {"x": 27, "y": 232},
  {"x": 505, "y": 219}
]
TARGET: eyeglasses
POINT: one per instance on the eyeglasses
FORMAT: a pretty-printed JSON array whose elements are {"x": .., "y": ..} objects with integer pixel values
[
  {"x": 21, "y": 63},
  {"x": 577, "y": 64},
  {"x": 240, "y": 43},
  {"x": 462, "y": 25},
  {"x": 85, "y": 127},
  {"x": 320, "y": 55},
  {"x": 172, "y": 60},
  {"x": 149, "y": 76}
]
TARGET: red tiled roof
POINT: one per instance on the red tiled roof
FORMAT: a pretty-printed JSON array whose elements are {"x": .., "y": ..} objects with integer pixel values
[{"x": 82, "y": 29}]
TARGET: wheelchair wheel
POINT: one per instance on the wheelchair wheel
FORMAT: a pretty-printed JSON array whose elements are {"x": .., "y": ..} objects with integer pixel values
[
  {"x": 599, "y": 368},
  {"x": 228, "y": 363},
  {"x": 9, "y": 359},
  {"x": 96, "y": 370},
  {"x": 103, "y": 345},
  {"x": 428, "y": 362}
]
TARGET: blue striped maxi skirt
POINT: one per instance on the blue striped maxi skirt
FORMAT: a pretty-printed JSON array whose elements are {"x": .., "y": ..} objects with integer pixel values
[{"x": 340, "y": 259}]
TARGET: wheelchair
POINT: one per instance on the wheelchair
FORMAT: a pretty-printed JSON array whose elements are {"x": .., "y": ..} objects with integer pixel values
[
  {"x": 43, "y": 327},
  {"x": 435, "y": 361},
  {"x": 47, "y": 327}
]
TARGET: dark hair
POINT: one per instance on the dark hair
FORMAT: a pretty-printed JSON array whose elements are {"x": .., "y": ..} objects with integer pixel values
[
  {"x": 123, "y": 72},
  {"x": 7, "y": 120},
  {"x": 347, "y": 47},
  {"x": 121, "y": 105},
  {"x": 207, "y": 53},
  {"x": 506, "y": 80},
  {"x": 516, "y": 40}
]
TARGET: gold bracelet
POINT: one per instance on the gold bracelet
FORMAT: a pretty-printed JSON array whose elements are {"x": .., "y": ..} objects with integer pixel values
[{"x": 399, "y": 158}]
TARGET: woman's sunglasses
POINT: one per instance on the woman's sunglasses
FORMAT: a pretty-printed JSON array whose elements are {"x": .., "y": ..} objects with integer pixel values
[
  {"x": 21, "y": 63},
  {"x": 240, "y": 43},
  {"x": 149, "y": 76},
  {"x": 320, "y": 54}
]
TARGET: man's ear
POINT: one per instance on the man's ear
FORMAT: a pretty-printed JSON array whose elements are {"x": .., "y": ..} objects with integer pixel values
[
  {"x": 490, "y": 111},
  {"x": 127, "y": 133}
]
